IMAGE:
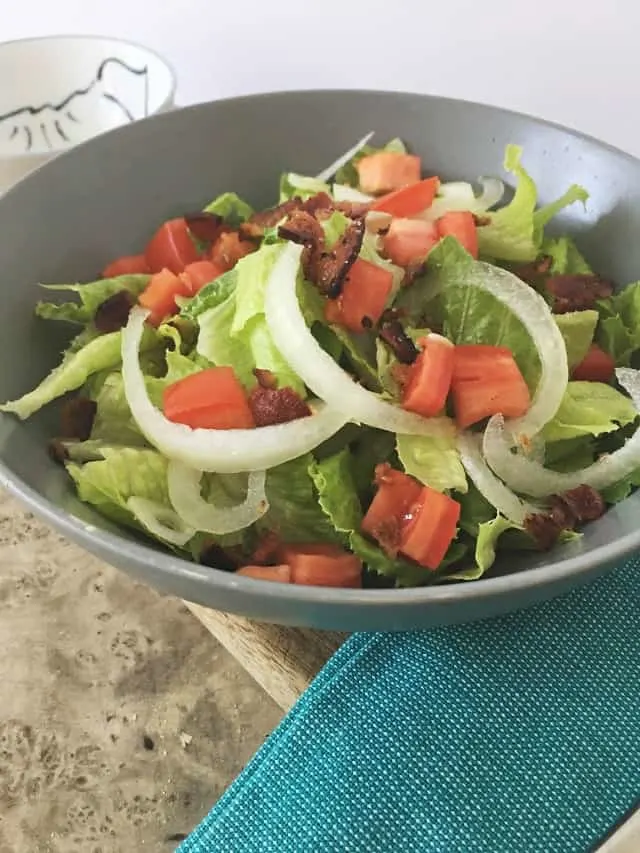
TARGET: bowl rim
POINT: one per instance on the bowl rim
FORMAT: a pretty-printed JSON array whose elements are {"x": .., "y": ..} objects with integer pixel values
[
  {"x": 167, "y": 101},
  {"x": 103, "y": 542}
]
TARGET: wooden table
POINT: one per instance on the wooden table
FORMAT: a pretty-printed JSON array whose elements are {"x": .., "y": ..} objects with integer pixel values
[{"x": 282, "y": 660}]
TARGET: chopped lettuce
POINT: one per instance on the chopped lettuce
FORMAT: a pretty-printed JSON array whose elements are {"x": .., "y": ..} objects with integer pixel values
[
  {"x": 336, "y": 489},
  {"x": 253, "y": 274},
  {"x": 101, "y": 353},
  {"x": 570, "y": 454},
  {"x": 113, "y": 423},
  {"x": 92, "y": 295},
  {"x": 565, "y": 256},
  {"x": 293, "y": 185},
  {"x": 516, "y": 231},
  {"x": 231, "y": 208},
  {"x": 122, "y": 473},
  {"x": 619, "y": 328},
  {"x": 433, "y": 461},
  {"x": 578, "y": 330},
  {"x": 485, "y": 551},
  {"x": 589, "y": 408},
  {"x": 211, "y": 295}
]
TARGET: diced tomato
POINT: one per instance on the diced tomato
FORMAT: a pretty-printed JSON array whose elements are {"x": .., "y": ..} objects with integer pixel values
[
  {"x": 596, "y": 366},
  {"x": 409, "y": 240},
  {"x": 409, "y": 200},
  {"x": 159, "y": 296},
  {"x": 229, "y": 248},
  {"x": 461, "y": 225},
  {"x": 364, "y": 295},
  {"x": 171, "y": 247},
  {"x": 387, "y": 170},
  {"x": 431, "y": 528},
  {"x": 430, "y": 377},
  {"x": 128, "y": 265},
  {"x": 322, "y": 565},
  {"x": 196, "y": 275},
  {"x": 282, "y": 574},
  {"x": 210, "y": 399},
  {"x": 487, "y": 381},
  {"x": 396, "y": 493}
]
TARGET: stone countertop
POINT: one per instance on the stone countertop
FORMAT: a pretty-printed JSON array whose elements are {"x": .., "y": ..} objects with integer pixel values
[{"x": 120, "y": 716}]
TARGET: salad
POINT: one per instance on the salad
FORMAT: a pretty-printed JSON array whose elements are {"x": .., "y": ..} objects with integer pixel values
[{"x": 382, "y": 380}]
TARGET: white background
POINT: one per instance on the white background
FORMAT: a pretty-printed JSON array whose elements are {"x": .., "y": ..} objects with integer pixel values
[{"x": 573, "y": 61}]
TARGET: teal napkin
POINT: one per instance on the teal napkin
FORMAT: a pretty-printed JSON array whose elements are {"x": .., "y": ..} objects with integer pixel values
[{"x": 510, "y": 735}]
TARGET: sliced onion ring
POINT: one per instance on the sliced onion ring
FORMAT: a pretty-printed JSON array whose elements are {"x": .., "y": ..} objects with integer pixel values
[
  {"x": 490, "y": 487},
  {"x": 225, "y": 451},
  {"x": 530, "y": 478},
  {"x": 319, "y": 371},
  {"x": 460, "y": 195},
  {"x": 184, "y": 493},
  {"x": 330, "y": 171},
  {"x": 161, "y": 521},
  {"x": 534, "y": 314}
]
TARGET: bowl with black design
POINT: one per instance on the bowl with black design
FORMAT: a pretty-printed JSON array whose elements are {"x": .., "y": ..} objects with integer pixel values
[{"x": 62, "y": 90}]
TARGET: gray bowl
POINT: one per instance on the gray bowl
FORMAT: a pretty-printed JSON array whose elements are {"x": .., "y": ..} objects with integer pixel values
[{"x": 102, "y": 199}]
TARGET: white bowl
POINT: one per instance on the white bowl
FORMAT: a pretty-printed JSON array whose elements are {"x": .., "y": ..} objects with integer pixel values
[{"x": 58, "y": 91}]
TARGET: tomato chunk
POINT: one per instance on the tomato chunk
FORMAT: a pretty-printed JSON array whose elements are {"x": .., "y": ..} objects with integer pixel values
[
  {"x": 384, "y": 519},
  {"x": 210, "y": 399},
  {"x": 409, "y": 240},
  {"x": 199, "y": 273},
  {"x": 387, "y": 170},
  {"x": 596, "y": 366},
  {"x": 487, "y": 381},
  {"x": 172, "y": 247},
  {"x": 430, "y": 377},
  {"x": 281, "y": 574},
  {"x": 364, "y": 296},
  {"x": 461, "y": 225},
  {"x": 431, "y": 528},
  {"x": 128, "y": 265},
  {"x": 229, "y": 248},
  {"x": 159, "y": 296},
  {"x": 409, "y": 200},
  {"x": 316, "y": 564}
]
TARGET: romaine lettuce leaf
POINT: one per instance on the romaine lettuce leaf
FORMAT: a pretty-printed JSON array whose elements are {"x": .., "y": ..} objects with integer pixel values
[
  {"x": 619, "y": 328},
  {"x": 92, "y": 295},
  {"x": 231, "y": 208},
  {"x": 122, "y": 473},
  {"x": 216, "y": 344},
  {"x": 485, "y": 550},
  {"x": 589, "y": 408},
  {"x": 433, "y": 461},
  {"x": 211, "y": 295},
  {"x": 301, "y": 186},
  {"x": 565, "y": 256},
  {"x": 570, "y": 454},
  {"x": 578, "y": 330},
  {"x": 101, "y": 353},
  {"x": 516, "y": 231}
]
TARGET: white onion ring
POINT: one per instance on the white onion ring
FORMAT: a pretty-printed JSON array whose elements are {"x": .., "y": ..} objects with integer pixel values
[
  {"x": 224, "y": 451},
  {"x": 536, "y": 317},
  {"x": 330, "y": 171},
  {"x": 530, "y": 478},
  {"x": 184, "y": 493},
  {"x": 343, "y": 192},
  {"x": 319, "y": 371},
  {"x": 490, "y": 487},
  {"x": 460, "y": 195},
  {"x": 161, "y": 521}
]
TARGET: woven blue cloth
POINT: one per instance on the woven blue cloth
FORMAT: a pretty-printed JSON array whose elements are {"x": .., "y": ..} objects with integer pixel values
[{"x": 511, "y": 735}]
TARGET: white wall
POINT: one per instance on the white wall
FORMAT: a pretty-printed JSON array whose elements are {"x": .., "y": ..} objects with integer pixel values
[{"x": 554, "y": 59}]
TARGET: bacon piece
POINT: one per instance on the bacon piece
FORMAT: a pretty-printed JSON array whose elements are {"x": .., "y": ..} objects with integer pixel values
[
  {"x": 576, "y": 292},
  {"x": 303, "y": 228},
  {"x": 352, "y": 209},
  {"x": 276, "y": 406},
  {"x": 320, "y": 202},
  {"x": 266, "y": 379},
  {"x": 204, "y": 226},
  {"x": 567, "y": 510},
  {"x": 329, "y": 268},
  {"x": 112, "y": 314},
  {"x": 254, "y": 227},
  {"x": 76, "y": 418},
  {"x": 534, "y": 271},
  {"x": 396, "y": 338},
  {"x": 57, "y": 451}
]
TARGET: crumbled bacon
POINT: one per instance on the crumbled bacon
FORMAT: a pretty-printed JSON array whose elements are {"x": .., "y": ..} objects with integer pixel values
[
  {"x": 204, "y": 226},
  {"x": 576, "y": 292},
  {"x": 303, "y": 228},
  {"x": 396, "y": 338},
  {"x": 113, "y": 314},
  {"x": 266, "y": 379},
  {"x": 566, "y": 512},
  {"x": 276, "y": 406},
  {"x": 256, "y": 225},
  {"x": 532, "y": 272},
  {"x": 76, "y": 418},
  {"x": 57, "y": 450}
]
